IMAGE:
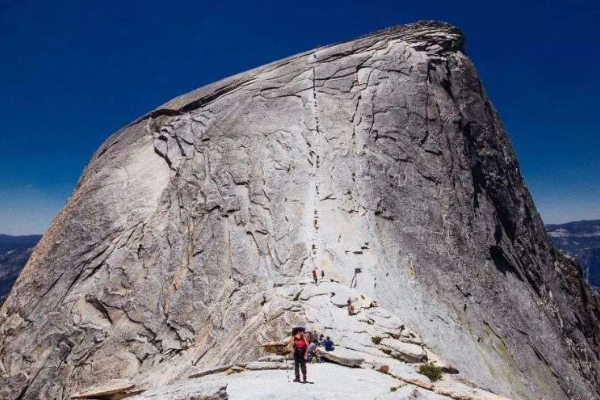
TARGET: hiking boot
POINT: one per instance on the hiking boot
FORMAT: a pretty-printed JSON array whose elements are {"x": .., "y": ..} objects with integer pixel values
[
  {"x": 297, "y": 380},
  {"x": 305, "y": 379}
]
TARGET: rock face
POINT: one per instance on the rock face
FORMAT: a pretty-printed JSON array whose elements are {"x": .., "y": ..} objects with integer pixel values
[
  {"x": 14, "y": 253},
  {"x": 193, "y": 231}
]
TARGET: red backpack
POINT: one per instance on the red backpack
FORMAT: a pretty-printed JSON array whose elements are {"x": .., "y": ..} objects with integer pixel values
[{"x": 299, "y": 343}]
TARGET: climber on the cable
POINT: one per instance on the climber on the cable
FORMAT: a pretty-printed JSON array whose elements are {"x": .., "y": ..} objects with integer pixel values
[{"x": 351, "y": 309}]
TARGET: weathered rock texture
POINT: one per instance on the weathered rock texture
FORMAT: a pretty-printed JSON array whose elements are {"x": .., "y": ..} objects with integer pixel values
[{"x": 191, "y": 229}]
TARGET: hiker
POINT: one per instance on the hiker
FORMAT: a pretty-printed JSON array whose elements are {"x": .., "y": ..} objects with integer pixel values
[
  {"x": 313, "y": 352},
  {"x": 328, "y": 344},
  {"x": 322, "y": 274},
  {"x": 314, "y": 274},
  {"x": 351, "y": 309},
  {"x": 321, "y": 340},
  {"x": 300, "y": 351}
]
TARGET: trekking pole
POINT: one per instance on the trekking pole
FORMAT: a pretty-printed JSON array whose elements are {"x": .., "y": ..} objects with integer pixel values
[{"x": 287, "y": 371}]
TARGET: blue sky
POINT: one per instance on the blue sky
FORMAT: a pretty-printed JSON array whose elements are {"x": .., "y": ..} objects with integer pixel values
[{"x": 72, "y": 72}]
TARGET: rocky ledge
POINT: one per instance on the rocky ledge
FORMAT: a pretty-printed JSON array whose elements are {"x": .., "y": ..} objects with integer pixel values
[{"x": 372, "y": 340}]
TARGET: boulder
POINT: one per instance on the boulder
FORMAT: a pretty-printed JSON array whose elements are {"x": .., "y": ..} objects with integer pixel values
[
  {"x": 106, "y": 390},
  {"x": 408, "y": 352},
  {"x": 260, "y": 365},
  {"x": 344, "y": 356},
  {"x": 385, "y": 320},
  {"x": 210, "y": 371},
  {"x": 407, "y": 373}
]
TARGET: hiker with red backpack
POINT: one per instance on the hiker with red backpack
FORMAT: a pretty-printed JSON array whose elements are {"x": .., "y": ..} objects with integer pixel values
[{"x": 299, "y": 344}]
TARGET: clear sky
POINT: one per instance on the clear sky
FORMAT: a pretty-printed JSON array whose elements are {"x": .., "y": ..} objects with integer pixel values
[{"x": 72, "y": 72}]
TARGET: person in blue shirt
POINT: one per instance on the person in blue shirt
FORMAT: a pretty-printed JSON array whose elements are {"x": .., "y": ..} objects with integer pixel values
[{"x": 328, "y": 344}]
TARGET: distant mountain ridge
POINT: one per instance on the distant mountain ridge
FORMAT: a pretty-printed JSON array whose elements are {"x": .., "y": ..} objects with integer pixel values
[
  {"x": 580, "y": 239},
  {"x": 14, "y": 253}
]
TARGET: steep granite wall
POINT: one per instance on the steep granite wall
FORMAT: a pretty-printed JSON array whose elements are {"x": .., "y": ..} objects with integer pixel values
[{"x": 379, "y": 161}]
